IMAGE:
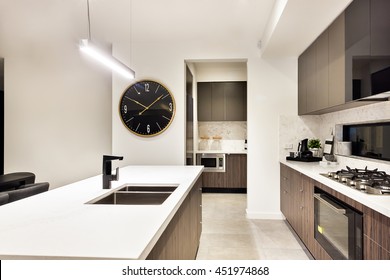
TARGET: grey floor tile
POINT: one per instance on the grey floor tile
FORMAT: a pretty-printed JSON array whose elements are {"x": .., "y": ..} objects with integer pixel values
[{"x": 228, "y": 235}]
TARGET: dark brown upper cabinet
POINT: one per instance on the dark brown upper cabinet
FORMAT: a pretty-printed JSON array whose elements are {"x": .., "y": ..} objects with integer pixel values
[
  {"x": 380, "y": 27},
  {"x": 349, "y": 61},
  {"x": 367, "y": 48},
  {"x": 321, "y": 82},
  {"x": 222, "y": 101}
]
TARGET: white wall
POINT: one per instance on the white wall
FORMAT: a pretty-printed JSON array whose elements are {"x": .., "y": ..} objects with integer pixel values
[
  {"x": 209, "y": 71},
  {"x": 57, "y": 103},
  {"x": 272, "y": 89},
  {"x": 59, "y": 113}
]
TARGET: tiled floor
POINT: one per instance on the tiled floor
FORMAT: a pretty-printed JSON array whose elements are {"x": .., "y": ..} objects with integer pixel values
[{"x": 228, "y": 235}]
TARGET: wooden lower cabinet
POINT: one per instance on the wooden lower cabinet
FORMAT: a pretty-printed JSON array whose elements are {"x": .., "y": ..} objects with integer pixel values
[
  {"x": 180, "y": 240},
  {"x": 285, "y": 200},
  {"x": 234, "y": 177},
  {"x": 376, "y": 235},
  {"x": 294, "y": 199},
  {"x": 297, "y": 205}
]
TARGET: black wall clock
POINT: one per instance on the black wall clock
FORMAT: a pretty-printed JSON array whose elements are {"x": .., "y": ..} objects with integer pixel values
[{"x": 147, "y": 108}]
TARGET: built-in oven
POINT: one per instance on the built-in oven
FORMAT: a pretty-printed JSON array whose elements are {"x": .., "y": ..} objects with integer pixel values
[
  {"x": 211, "y": 162},
  {"x": 337, "y": 227}
]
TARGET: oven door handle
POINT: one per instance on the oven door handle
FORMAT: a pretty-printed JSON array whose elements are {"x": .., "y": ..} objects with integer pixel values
[{"x": 335, "y": 207}]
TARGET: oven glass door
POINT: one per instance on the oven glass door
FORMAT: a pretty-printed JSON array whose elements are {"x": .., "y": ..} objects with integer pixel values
[
  {"x": 337, "y": 227},
  {"x": 332, "y": 227}
]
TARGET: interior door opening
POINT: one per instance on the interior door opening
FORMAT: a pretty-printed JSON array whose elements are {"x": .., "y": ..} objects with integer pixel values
[{"x": 1, "y": 116}]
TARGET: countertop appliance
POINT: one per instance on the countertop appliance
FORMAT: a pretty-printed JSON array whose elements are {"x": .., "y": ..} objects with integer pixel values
[
  {"x": 365, "y": 180},
  {"x": 337, "y": 227},
  {"x": 212, "y": 162},
  {"x": 303, "y": 153}
]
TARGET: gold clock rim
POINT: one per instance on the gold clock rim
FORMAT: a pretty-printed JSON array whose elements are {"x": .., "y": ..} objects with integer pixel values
[{"x": 173, "y": 114}]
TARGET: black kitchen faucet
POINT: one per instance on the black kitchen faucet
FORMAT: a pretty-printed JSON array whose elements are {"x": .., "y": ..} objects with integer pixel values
[{"x": 107, "y": 168}]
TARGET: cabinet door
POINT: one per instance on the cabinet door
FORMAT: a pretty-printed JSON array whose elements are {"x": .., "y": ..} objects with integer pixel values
[
  {"x": 302, "y": 84},
  {"x": 380, "y": 28},
  {"x": 322, "y": 74},
  {"x": 214, "y": 179},
  {"x": 296, "y": 203},
  {"x": 236, "y": 171},
  {"x": 376, "y": 235},
  {"x": 337, "y": 62},
  {"x": 217, "y": 102},
  {"x": 285, "y": 199},
  {"x": 306, "y": 210},
  {"x": 222, "y": 101},
  {"x": 204, "y": 101},
  {"x": 357, "y": 49},
  {"x": 235, "y": 101},
  {"x": 357, "y": 28},
  {"x": 311, "y": 78}
]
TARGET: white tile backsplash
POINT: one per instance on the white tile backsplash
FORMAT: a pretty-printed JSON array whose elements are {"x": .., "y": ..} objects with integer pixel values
[
  {"x": 226, "y": 130},
  {"x": 294, "y": 128},
  {"x": 232, "y": 134}
]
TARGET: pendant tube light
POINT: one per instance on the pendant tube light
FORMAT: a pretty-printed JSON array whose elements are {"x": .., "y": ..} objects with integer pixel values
[
  {"x": 86, "y": 46},
  {"x": 89, "y": 48}
]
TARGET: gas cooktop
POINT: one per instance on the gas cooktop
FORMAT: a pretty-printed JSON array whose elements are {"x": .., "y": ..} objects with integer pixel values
[{"x": 365, "y": 180}]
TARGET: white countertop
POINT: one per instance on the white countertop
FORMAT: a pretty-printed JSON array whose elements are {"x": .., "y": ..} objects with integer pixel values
[
  {"x": 58, "y": 223},
  {"x": 380, "y": 203}
]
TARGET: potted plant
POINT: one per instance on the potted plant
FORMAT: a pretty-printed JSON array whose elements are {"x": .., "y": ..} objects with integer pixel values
[{"x": 314, "y": 146}]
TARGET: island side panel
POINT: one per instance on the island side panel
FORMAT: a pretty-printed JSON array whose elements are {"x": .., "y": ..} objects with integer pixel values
[{"x": 180, "y": 240}]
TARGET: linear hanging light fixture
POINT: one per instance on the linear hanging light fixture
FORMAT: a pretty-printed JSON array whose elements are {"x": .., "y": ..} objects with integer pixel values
[{"x": 88, "y": 47}]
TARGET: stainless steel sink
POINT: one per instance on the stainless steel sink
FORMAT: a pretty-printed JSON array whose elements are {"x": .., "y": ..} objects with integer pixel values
[
  {"x": 136, "y": 195},
  {"x": 147, "y": 188}
]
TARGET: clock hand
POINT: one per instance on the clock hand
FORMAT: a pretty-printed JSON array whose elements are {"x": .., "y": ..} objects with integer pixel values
[
  {"x": 135, "y": 101},
  {"x": 146, "y": 108}
]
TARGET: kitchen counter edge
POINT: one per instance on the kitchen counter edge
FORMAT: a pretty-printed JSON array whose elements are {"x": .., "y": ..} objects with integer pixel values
[{"x": 14, "y": 243}]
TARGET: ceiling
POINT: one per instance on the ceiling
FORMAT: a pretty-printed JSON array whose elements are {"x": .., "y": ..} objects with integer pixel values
[{"x": 284, "y": 27}]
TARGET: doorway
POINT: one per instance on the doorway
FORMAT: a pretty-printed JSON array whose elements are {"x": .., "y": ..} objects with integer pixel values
[
  {"x": 1, "y": 116},
  {"x": 220, "y": 123},
  {"x": 189, "y": 118}
]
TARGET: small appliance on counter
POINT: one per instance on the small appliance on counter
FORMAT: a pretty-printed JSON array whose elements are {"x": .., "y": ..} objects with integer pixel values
[{"x": 303, "y": 153}]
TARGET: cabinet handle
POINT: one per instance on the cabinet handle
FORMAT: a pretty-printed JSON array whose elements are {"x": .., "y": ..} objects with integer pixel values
[{"x": 335, "y": 207}]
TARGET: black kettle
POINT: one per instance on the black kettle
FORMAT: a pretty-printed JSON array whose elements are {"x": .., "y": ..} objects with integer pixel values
[{"x": 303, "y": 150}]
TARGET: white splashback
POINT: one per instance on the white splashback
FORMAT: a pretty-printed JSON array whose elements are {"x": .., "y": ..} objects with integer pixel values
[
  {"x": 294, "y": 128},
  {"x": 232, "y": 134},
  {"x": 227, "y": 130}
]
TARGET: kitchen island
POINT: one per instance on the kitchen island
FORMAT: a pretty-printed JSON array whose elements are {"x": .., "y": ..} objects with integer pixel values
[{"x": 60, "y": 224}]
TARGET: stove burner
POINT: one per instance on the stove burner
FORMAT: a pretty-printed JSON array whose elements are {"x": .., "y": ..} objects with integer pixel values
[{"x": 365, "y": 180}]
